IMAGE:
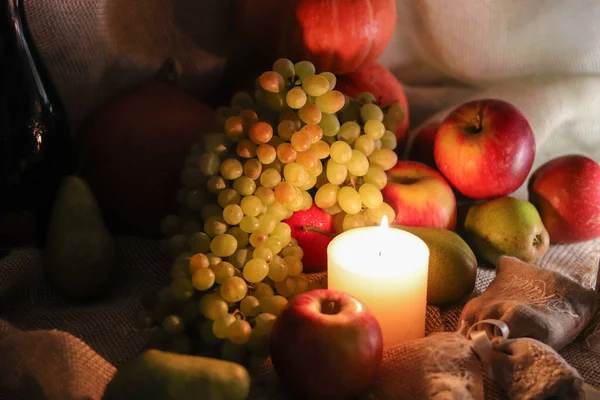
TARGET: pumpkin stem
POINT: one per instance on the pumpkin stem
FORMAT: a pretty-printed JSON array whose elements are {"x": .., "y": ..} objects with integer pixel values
[{"x": 170, "y": 71}]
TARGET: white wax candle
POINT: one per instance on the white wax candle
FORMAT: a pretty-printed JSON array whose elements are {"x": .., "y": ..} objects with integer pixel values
[{"x": 386, "y": 269}]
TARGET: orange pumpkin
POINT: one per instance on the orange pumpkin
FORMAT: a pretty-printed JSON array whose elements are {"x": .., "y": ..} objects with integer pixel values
[
  {"x": 339, "y": 36},
  {"x": 379, "y": 81}
]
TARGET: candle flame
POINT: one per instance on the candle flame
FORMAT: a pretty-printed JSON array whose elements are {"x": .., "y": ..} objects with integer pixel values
[{"x": 384, "y": 222}]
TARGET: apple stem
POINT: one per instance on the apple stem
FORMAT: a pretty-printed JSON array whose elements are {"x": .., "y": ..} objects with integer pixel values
[
  {"x": 478, "y": 121},
  {"x": 315, "y": 229}
]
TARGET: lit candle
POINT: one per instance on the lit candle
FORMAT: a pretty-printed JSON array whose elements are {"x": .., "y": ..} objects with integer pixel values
[{"x": 386, "y": 269}]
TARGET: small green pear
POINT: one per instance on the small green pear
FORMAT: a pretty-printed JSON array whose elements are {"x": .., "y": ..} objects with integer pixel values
[
  {"x": 506, "y": 226},
  {"x": 80, "y": 254},
  {"x": 159, "y": 375}
]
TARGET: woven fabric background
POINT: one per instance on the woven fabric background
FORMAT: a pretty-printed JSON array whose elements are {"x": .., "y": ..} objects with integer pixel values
[{"x": 101, "y": 334}]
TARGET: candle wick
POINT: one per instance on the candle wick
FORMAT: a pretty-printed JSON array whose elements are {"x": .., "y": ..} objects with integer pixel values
[{"x": 379, "y": 253}]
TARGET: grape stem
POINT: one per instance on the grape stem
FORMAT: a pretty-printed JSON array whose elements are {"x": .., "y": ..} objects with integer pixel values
[{"x": 318, "y": 230}]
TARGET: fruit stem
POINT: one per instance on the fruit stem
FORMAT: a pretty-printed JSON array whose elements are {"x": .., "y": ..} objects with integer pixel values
[
  {"x": 318, "y": 230},
  {"x": 478, "y": 121}
]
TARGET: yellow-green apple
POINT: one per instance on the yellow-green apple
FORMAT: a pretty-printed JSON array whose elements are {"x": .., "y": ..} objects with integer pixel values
[
  {"x": 566, "y": 191},
  {"x": 313, "y": 229},
  {"x": 421, "y": 149},
  {"x": 485, "y": 148},
  {"x": 326, "y": 345},
  {"x": 420, "y": 196}
]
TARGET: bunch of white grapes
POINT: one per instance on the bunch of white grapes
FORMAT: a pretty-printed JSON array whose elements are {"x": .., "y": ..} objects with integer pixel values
[{"x": 236, "y": 265}]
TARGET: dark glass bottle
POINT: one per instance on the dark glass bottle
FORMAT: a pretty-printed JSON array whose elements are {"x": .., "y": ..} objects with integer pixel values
[{"x": 36, "y": 148}]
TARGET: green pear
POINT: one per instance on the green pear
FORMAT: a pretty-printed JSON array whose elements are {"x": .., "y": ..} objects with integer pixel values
[
  {"x": 159, "y": 375},
  {"x": 506, "y": 226},
  {"x": 80, "y": 254}
]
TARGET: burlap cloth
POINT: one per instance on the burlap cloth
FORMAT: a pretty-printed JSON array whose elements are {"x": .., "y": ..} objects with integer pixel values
[{"x": 65, "y": 367}]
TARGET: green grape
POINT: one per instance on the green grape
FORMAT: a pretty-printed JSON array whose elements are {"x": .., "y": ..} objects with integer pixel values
[
  {"x": 365, "y": 144},
  {"x": 210, "y": 210},
  {"x": 293, "y": 251},
  {"x": 301, "y": 140},
  {"x": 278, "y": 270},
  {"x": 241, "y": 99},
  {"x": 350, "y": 112},
  {"x": 233, "y": 214},
  {"x": 244, "y": 186},
  {"x": 296, "y": 98},
  {"x": 311, "y": 181},
  {"x": 349, "y": 132},
  {"x": 304, "y": 69},
  {"x": 351, "y": 221},
  {"x": 222, "y": 271},
  {"x": 249, "y": 224},
  {"x": 253, "y": 168},
  {"x": 295, "y": 174},
  {"x": 283, "y": 231},
  {"x": 307, "y": 159},
  {"x": 384, "y": 158},
  {"x": 209, "y": 164},
  {"x": 388, "y": 141},
  {"x": 251, "y": 205},
  {"x": 307, "y": 200},
  {"x": 231, "y": 168},
  {"x": 170, "y": 225},
  {"x": 315, "y": 133},
  {"x": 277, "y": 210},
  {"x": 330, "y": 125},
  {"x": 271, "y": 81},
  {"x": 374, "y": 129},
  {"x": 365, "y": 98},
  {"x": 203, "y": 279},
  {"x": 267, "y": 223},
  {"x": 262, "y": 290},
  {"x": 284, "y": 193},
  {"x": 349, "y": 200},
  {"x": 341, "y": 152},
  {"x": 266, "y": 153},
  {"x": 396, "y": 112},
  {"x": 375, "y": 215},
  {"x": 216, "y": 142},
  {"x": 182, "y": 289},
  {"x": 310, "y": 113},
  {"x": 330, "y": 78},
  {"x": 315, "y": 85},
  {"x": 286, "y": 128},
  {"x": 294, "y": 265},
  {"x": 274, "y": 305},
  {"x": 178, "y": 244},
  {"x": 264, "y": 323},
  {"x": 302, "y": 284},
  {"x": 198, "y": 261},
  {"x": 234, "y": 128},
  {"x": 213, "y": 306},
  {"x": 220, "y": 326},
  {"x": 250, "y": 306},
  {"x": 173, "y": 324},
  {"x": 240, "y": 236},
  {"x": 270, "y": 178},
  {"x": 233, "y": 289},
  {"x": 371, "y": 111},
  {"x": 263, "y": 253},
  {"x": 370, "y": 195},
  {"x": 286, "y": 287},
  {"x": 265, "y": 194},
  {"x": 192, "y": 177},
  {"x": 286, "y": 153},
  {"x": 239, "y": 258},
  {"x": 213, "y": 259},
  {"x": 260, "y": 132},
  {"x": 214, "y": 226},
  {"x": 199, "y": 242},
  {"x": 331, "y": 102},
  {"x": 191, "y": 227},
  {"x": 227, "y": 197},
  {"x": 321, "y": 149},
  {"x": 275, "y": 101},
  {"x": 327, "y": 195},
  {"x": 376, "y": 176},
  {"x": 143, "y": 319},
  {"x": 336, "y": 172},
  {"x": 296, "y": 203},
  {"x": 239, "y": 332},
  {"x": 223, "y": 245},
  {"x": 358, "y": 164},
  {"x": 246, "y": 148},
  {"x": 258, "y": 239},
  {"x": 255, "y": 270},
  {"x": 195, "y": 199},
  {"x": 285, "y": 68}
]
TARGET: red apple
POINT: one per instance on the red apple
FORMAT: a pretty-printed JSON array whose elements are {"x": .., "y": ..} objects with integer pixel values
[
  {"x": 421, "y": 149},
  {"x": 313, "y": 229},
  {"x": 378, "y": 80},
  {"x": 420, "y": 196},
  {"x": 485, "y": 148},
  {"x": 326, "y": 345},
  {"x": 566, "y": 191}
]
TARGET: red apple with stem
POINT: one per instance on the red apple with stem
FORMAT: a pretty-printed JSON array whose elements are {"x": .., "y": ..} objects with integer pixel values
[
  {"x": 485, "y": 148},
  {"x": 566, "y": 191},
  {"x": 420, "y": 196},
  {"x": 326, "y": 345},
  {"x": 313, "y": 229}
]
